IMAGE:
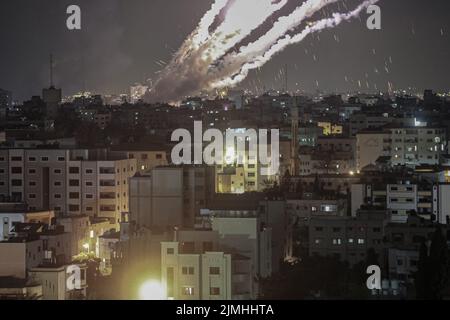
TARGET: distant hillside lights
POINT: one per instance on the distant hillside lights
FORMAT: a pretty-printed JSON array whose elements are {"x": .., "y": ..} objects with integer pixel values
[{"x": 238, "y": 143}]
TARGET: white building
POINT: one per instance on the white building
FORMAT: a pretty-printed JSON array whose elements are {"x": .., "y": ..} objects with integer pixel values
[
  {"x": 403, "y": 199},
  {"x": 9, "y": 216},
  {"x": 206, "y": 276},
  {"x": 54, "y": 280}
]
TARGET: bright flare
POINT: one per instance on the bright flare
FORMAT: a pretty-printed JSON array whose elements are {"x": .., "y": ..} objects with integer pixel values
[{"x": 152, "y": 290}]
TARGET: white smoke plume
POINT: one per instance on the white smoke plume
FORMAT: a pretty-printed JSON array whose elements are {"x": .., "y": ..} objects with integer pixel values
[{"x": 211, "y": 59}]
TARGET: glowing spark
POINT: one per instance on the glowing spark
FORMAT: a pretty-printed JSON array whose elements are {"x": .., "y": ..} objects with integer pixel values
[{"x": 211, "y": 58}]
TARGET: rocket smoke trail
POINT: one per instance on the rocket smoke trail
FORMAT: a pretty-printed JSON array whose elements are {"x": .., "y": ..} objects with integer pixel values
[{"x": 212, "y": 59}]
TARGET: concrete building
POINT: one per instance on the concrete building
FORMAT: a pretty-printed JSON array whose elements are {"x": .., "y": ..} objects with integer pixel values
[
  {"x": 363, "y": 121},
  {"x": 232, "y": 177},
  {"x": 347, "y": 238},
  {"x": 11, "y": 213},
  {"x": 370, "y": 145},
  {"x": 102, "y": 119},
  {"x": 204, "y": 276},
  {"x": 147, "y": 156},
  {"x": 23, "y": 254},
  {"x": 414, "y": 146},
  {"x": 54, "y": 279},
  {"x": 410, "y": 146},
  {"x": 84, "y": 232},
  {"x": 168, "y": 196},
  {"x": 244, "y": 232},
  {"x": 428, "y": 201},
  {"x": 20, "y": 289},
  {"x": 275, "y": 214},
  {"x": 70, "y": 182},
  {"x": 305, "y": 209},
  {"x": 326, "y": 163},
  {"x": 52, "y": 98},
  {"x": 5, "y": 102}
]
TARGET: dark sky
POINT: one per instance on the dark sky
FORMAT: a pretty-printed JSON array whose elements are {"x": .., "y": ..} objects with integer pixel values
[{"x": 121, "y": 40}]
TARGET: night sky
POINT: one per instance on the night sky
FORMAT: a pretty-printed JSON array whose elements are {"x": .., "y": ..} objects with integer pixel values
[{"x": 122, "y": 42}]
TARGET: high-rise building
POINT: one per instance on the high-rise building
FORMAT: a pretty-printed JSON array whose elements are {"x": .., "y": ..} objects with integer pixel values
[
  {"x": 5, "y": 101},
  {"x": 70, "y": 182},
  {"x": 52, "y": 98},
  {"x": 169, "y": 196}
]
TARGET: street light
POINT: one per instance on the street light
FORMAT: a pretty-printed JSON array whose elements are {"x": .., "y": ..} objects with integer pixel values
[{"x": 152, "y": 290}]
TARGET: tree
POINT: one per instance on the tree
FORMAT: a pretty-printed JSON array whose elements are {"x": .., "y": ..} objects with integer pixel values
[
  {"x": 439, "y": 261},
  {"x": 421, "y": 281},
  {"x": 432, "y": 276}
]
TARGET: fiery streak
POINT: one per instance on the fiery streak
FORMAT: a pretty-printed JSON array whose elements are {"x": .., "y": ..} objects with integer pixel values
[{"x": 204, "y": 61}]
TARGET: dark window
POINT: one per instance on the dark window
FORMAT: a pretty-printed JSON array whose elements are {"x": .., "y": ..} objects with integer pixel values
[
  {"x": 214, "y": 270},
  {"x": 74, "y": 170},
  {"x": 107, "y": 170},
  {"x": 16, "y": 170},
  {"x": 214, "y": 291},
  {"x": 16, "y": 182},
  {"x": 74, "y": 195},
  {"x": 74, "y": 207},
  {"x": 207, "y": 246},
  {"x": 74, "y": 183}
]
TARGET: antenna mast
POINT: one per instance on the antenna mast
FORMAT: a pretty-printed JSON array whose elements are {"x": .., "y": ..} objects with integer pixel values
[{"x": 51, "y": 70}]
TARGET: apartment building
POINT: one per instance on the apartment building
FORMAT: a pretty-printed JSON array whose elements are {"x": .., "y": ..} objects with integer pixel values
[
  {"x": 244, "y": 232},
  {"x": 246, "y": 176},
  {"x": 428, "y": 201},
  {"x": 84, "y": 232},
  {"x": 20, "y": 289},
  {"x": 169, "y": 196},
  {"x": 362, "y": 121},
  {"x": 70, "y": 182},
  {"x": 204, "y": 276},
  {"x": 410, "y": 146},
  {"x": 305, "y": 209},
  {"x": 414, "y": 146},
  {"x": 22, "y": 254},
  {"x": 347, "y": 238},
  {"x": 11, "y": 213},
  {"x": 370, "y": 145},
  {"x": 54, "y": 279},
  {"x": 327, "y": 182},
  {"x": 147, "y": 156},
  {"x": 326, "y": 163}
]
